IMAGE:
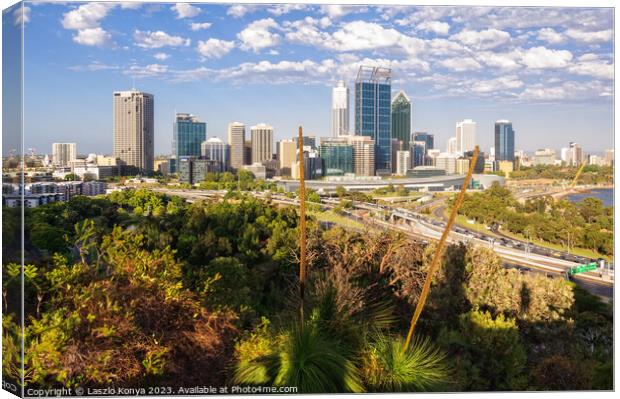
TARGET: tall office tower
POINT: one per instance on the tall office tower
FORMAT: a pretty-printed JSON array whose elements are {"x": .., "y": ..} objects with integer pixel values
[
  {"x": 427, "y": 138},
  {"x": 262, "y": 142},
  {"x": 373, "y": 113},
  {"x": 451, "y": 145},
  {"x": 309, "y": 141},
  {"x": 363, "y": 155},
  {"x": 418, "y": 153},
  {"x": 337, "y": 155},
  {"x": 188, "y": 133},
  {"x": 504, "y": 141},
  {"x": 609, "y": 157},
  {"x": 340, "y": 109},
  {"x": 466, "y": 135},
  {"x": 236, "y": 141},
  {"x": 216, "y": 150},
  {"x": 401, "y": 118},
  {"x": 247, "y": 153},
  {"x": 565, "y": 155},
  {"x": 63, "y": 153},
  {"x": 403, "y": 163},
  {"x": 396, "y": 146},
  {"x": 287, "y": 154},
  {"x": 576, "y": 154},
  {"x": 134, "y": 140}
]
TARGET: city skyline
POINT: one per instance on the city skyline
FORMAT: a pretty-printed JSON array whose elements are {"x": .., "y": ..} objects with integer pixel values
[{"x": 555, "y": 65}]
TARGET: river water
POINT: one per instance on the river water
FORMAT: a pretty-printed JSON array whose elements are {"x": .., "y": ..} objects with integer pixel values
[{"x": 604, "y": 194}]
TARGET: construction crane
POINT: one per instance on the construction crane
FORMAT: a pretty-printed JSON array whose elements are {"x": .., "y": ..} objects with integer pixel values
[{"x": 583, "y": 165}]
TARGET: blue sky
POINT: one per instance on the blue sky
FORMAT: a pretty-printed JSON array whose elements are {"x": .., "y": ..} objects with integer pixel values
[{"x": 548, "y": 70}]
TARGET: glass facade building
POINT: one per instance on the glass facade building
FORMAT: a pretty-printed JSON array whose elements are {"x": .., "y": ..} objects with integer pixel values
[
  {"x": 418, "y": 153},
  {"x": 188, "y": 134},
  {"x": 373, "y": 113},
  {"x": 337, "y": 157},
  {"x": 429, "y": 139},
  {"x": 401, "y": 118},
  {"x": 504, "y": 141}
]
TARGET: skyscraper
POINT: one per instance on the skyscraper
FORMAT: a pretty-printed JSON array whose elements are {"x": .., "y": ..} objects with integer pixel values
[
  {"x": 63, "y": 153},
  {"x": 340, "y": 109},
  {"x": 402, "y": 162},
  {"x": 236, "y": 141},
  {"x": 465, "y": 135},
  {"x": 504, "y": 141},
  {"x": 337, "y": 155},
  {"x": 287, "y": 154},
  {"x": 429, "y": 139},
  {"x": 451, "y": 145},
  {"x": 188, "y": 133},
  {"x": 262, "y": 142},
  {"x": 134, "y": 130},
  {"x": 418, "y": 153},
  {"x": 215, "y": 149},
  {"x": 576, "y": 154},
  {"x": 373, "y": 113},
  {"x": 401, "y": 118},
  {"x": 363, "y": 155}
]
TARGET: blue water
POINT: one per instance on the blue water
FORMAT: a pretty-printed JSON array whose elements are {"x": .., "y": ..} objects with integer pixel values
[{"x": 604, "y": 194}]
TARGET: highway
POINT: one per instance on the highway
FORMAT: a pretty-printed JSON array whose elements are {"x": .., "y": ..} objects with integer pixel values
[{"x": 421, "y": 228}]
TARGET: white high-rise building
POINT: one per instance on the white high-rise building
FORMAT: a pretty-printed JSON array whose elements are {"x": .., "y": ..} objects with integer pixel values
[
  {"x": 287, "y": 154},
  {"x": 451, "y": 145},
  {"x": 262, "y": 142},
  {"x": 216, "y": 150},
  {"x": 565, "y": 155},
  {"x": 363, "y": 155},
  {"x": 236, "y": 141},
  {"x": 340, "y": 109},
  {"x": 576, "y": 154},
  {"x": 402, "y": 162},
  {"x": 465, "y": 135},
  {"x": 63, "y": 153},
  {"x": 134, "y": 142}
]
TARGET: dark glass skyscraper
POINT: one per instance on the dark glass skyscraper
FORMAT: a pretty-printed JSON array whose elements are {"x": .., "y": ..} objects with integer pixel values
[
  {"x": 187, "y": 136},
  {"x": 418, "y": 153},
  {"x": 401, "y": 118},
  {"x": 504, "y": 141},
  {"x": 373, "y": 114},
  {"x": 429, "y": 139},
  {"x": 337, "y": 156}
]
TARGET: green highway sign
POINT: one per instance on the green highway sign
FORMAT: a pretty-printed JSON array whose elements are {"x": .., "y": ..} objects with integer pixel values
[{"x": 588, "y": 267}]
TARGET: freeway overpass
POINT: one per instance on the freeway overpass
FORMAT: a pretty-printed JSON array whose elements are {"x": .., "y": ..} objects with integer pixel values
[{"x": 417, "y": 227}]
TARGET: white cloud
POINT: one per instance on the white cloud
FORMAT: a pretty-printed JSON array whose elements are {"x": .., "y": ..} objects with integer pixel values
[
  {"x": 338, "y": 11},
  {"x": 542, "y": 58},
  {"x": 146, "y": 71},
  {"x": 460, "y": 64},
  {"x": 543, "y": 93},
  {"x": 93, "y": 67},
  {"x": 590, "y": 37},
  {"x": 257, "y": 35},
  {"x": 200, "y": 25},
  {"x": 158, "y": 39},
  {"x": 214, "y": 48},
  {"x": 595, "y": 68},
  {"x": 483, "y": 40},
  {"x": 437, "y": 27},
  {"x": 185, "y": 10},
  {"x": 21, "y": 15},
  {"x": 161, "y": 56},
  {"x": 506, "y": 60},
  {"x": 86, "y": 16},
  {"x": 239, "y": 10},
  {"x": 92, "y": 37},
  {"x": 281, "y": 9},
  {"x": 550, "y": 36},
  {"x": 502, "y": 83}
]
